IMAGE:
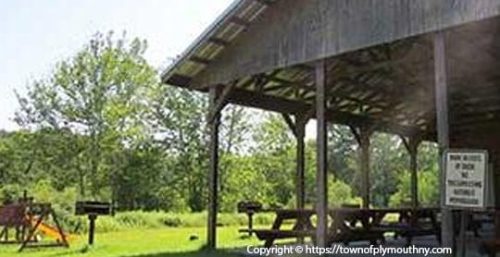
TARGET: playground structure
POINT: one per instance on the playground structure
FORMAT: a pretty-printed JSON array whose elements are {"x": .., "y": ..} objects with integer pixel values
[{"x": 29, "y": 221}]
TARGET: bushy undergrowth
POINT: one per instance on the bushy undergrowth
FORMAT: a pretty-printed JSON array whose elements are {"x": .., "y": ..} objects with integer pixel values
[
  {"x": 63, "y": 204},
  {"x": 146, "y": 220}
]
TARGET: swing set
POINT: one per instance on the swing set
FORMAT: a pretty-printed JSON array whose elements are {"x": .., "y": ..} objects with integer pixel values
[{"x": 30, "y": 222}]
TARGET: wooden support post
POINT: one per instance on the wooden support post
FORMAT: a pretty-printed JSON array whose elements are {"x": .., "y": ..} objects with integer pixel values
[
  {"x": 213, "y": 124},
  {"x": 298, "y": 129},
  {"x": 441, "y": 91},
  {"x": 411, "y": 144},
  {"x": 321, "y": 155},
  {"x": 300, "y": 126},
  {"x": 413, "y": 150},
  {"x": 364, "y": 145},
  {"x": 291, "y": 125},
  {"x": 362, "y": 136},
  {"x": 220, "y": 102}
]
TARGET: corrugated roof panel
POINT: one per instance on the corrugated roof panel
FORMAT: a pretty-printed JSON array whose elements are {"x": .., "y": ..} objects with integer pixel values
[
  {"x": 229, "y": 33},
  {"x": 211, "y": 42},
  {"x": 209, "y": 51}
]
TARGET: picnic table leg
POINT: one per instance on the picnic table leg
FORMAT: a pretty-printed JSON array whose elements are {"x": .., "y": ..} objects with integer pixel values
[
  {"x": 2, "y": 234},
  {"x": 435, "y": 226},
  {"x": 332, "y": 230},
  {"x": 276, "y": 225},
  {"x": 301, "y": 225},
  {"x": 377, "y": 219},
  {"x": 269, "y": 242}
]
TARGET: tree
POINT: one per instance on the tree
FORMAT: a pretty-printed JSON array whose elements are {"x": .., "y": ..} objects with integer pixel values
[
  {"x": 178, "y": 121},
  {"x": 389, "y": 158},
  {"x": 427, "y": 176},
  {"x": 274, "y": 154},
  {"x": 98, "y": 93}
]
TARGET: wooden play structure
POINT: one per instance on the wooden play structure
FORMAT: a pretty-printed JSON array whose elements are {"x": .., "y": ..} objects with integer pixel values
[{"x": 30, "y": 221}]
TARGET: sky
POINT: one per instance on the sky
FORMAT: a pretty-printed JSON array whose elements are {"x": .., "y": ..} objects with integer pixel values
[{"x": 35, "y": 35}]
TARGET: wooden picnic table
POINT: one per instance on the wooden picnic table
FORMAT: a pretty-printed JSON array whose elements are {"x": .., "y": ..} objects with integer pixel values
[
  {"x": 412, "y": 222},
  {"x": 351, "y": 224},
  {"x": 302, "y": 226}
]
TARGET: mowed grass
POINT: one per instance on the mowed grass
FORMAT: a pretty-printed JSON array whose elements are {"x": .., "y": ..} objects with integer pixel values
[
  {"x": 151, "y": 242},
  {"x": 167, "y": 242}
]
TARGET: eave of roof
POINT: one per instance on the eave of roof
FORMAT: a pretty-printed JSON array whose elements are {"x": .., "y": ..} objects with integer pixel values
[{"x": 221, "y": 22}]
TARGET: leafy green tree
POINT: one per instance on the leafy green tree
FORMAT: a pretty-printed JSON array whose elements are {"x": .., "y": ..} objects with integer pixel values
[
  {"x": 98, "y": 93},
  {"x": 244, "y": 182},
  {"x": 427, "y": 176},
  {"x": 340, "y": 193},
  {"x": 178, "y": 120},
  {"x": 274, "y": 154},
  {"x": 342, "y": 154},
  {"x": 388, "y": 158},
  {"x": 428, "y": 185},
  {"x": 137, "y": 183}
]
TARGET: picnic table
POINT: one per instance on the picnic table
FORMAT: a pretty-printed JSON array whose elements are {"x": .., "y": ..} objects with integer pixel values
[
  {"x": 352, "y": 224},
  {"x": 412, "y": 222},
  {"x": 302, "y": 226}
]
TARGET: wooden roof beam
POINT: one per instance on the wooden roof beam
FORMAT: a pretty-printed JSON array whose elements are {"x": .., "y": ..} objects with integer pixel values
[
  {"x": 264, "y": 2},
  {"x": 281, "y": 105},
  {"x": 218, "y": 41},
  {"x": 179, "y": 80},
  {"x": 239, "y": 21},
  {"x": 200, "y": 60}
]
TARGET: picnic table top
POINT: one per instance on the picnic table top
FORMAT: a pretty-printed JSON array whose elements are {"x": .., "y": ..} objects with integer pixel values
[{"x": 354, "y": 210}]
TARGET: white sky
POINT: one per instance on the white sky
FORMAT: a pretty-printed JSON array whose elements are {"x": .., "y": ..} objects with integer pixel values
[{"x": 35, "y": 35}]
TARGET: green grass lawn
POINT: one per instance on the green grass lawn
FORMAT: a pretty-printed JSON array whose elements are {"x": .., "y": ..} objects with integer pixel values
[
  {"x": 168, "y": 242},
  {"x": 158, "y": 242}
]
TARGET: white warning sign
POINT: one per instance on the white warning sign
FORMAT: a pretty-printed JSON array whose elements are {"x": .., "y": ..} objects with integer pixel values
[{"x": 466, "y": 178}]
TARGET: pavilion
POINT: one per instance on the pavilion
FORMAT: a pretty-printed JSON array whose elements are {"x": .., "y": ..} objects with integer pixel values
[{"x": 424, "y": 70}]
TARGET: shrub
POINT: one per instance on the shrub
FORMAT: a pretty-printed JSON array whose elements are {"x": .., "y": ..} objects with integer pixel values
[{"x": 9, "y": 193}]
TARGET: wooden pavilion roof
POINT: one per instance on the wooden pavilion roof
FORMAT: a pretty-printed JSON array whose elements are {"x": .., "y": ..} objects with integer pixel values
[{"x": 261, "y": 54}]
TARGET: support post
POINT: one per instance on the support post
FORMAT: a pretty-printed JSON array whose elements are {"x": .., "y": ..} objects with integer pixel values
[
  {"x": 321, "y": 155},
  {"x": 213, "y": 124},
  {"x": 441, "y": 91},
  {"x": 300, "y": 183},
  {"x": 299, "y": 128},
  {"x": 364, "y": 144},
  {"x": 413, "y": 151},
  {"x": 362, "y": 136},
  {"x": 411, "y": 144}
]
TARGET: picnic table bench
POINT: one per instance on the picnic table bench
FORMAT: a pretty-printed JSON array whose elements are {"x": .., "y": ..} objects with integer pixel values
[
  {"x": 412, "y": 222},
  {"x": 351, "y": 224},
  {"x": 302, "y": 226}
]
